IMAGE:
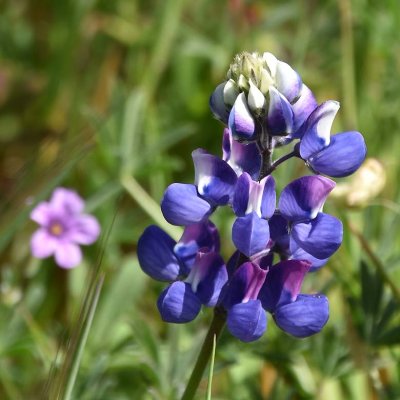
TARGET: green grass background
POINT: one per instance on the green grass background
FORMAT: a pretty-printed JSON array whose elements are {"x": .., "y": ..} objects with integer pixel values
[{"x": 110, "y": 98}]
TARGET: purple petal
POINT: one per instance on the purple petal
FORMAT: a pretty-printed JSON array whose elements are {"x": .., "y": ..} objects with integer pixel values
[
  {"x": 241, "y": 122},
  {"x": 217, "y": 105},
  {"x": 253, "y": 196},
  {"x": 320, "y": 237},
  {"x": 241, "y": 197},
  {"x": 41, "y": 214},
  {"x": 84, "y": 230},
  {"x": 244, "y": 285},
  {"x": 215, "y": 179},
  {"x": 280, "y": 114},
  {"x": 303, "y": 198},
  {"x": 283, "y": 283},
  {"x": 268, "y": 199},
  {"x": 178, "y": 304},
  {"x": 247, "y": 321},
  {"x": 241, "y": 157},
  {"x": 66, "y": 201},
  {"x": 344, "y": 155},
  {"x": 195, "y": 237},
  {"x": 288, "y": 81},
  {"x": 207, "y": 277},
  {"x": 317, "y": 129},
  {"x": 43, "y": 244},
  {"x": 250, "y": 234},
  {"x": 305, "y": 317},
  {"x": 181, "y": 205},
  {"x": 297, "y": 253},
  {"x": 156, "y": 256},
  {"x": 302, "y": 109},
  {"x": 68, "y": 255}
]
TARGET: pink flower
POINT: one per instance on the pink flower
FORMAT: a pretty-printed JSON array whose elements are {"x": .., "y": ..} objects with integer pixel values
[{"x": 63, "y": 227}]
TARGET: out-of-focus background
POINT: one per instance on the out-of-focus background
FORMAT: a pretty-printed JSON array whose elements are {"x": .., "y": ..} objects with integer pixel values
[{"x": 110, "y": 98}]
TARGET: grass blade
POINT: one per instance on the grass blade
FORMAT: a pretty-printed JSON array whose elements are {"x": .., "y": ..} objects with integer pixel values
[{"x": 211, "y": 372}]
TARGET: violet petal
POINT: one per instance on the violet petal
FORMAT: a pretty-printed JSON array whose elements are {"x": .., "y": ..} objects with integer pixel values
[
  {"x": 317, "y": 129},
  {"x": 280, "y": 114},
  {"x": 67, "y": 255},
  {"x": 43, "y": 244},
  {"x": 320, "y": 237},
  {"x": 247, "y": 321},
  {"x": 283, "y": 283},
  {"x": 195, "y": 237},
  {"x": 250, "y": 234},
  {"x": 303, "y": 198},
  {"x": 241, "y": 157},
  {"x": 181, "y": 205},
  {"x": 207, "y": 277},
  {"x": 344, "y": 155},
  {"x": 288, "y": 81},
  {"x": 241, "y": 122},
  {"x": 178, "y": 304},
  {"x": 305, "y": 317},
  {"x": 214, "y": 178}
]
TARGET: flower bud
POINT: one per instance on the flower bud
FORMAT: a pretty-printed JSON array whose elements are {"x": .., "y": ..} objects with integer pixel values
[
  {"x": 256, "y": 75},
  {"x": 231, "y": 91},
  {"x": 255, "y": 99}
]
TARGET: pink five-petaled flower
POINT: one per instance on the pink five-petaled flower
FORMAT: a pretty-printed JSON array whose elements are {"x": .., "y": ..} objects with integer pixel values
[{"x": 63, "y": 227}]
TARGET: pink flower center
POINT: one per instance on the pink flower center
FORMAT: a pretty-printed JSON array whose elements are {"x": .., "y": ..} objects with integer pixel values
[{"x": 56, "y": 229}]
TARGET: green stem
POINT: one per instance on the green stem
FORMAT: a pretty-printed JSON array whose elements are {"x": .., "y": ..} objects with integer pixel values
[
  {"x": 279, "y": 161},
  {"x": 214, "y": 332},
  {"x": 266, "y": 149}
]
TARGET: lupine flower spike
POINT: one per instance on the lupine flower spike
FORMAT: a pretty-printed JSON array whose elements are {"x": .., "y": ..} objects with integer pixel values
[
  {"x": 264, "y": 104},
  {"x": 63, "y": 228}
]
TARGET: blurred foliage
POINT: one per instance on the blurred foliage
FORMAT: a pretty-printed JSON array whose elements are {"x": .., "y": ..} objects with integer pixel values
[{"x": 110, "y": 98}]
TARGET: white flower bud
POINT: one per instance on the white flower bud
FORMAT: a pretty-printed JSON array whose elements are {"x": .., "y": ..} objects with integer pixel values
[
  {"x": 265, "y": 81},
  {"x": 255, "y": 99},
  {"x": 271, "y": 62},
  {"x": 243, "y": 83},
  {"x": 231, "y": 91}
]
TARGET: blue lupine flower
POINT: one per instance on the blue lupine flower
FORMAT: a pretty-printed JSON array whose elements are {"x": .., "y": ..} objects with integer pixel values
[
  {"x": 300, "y": 203},
  {"x": 193, "y": 266},
  {"x": 254, "y": 196},
  {"x": 253, "y": 202},
  {"x": 246, "y": 318},
  {"x": 265, "y": 105},
  {"x": 181, "y": 301},
  {"x": 165, "y": 260},
  {"x": 289, "y": 249},
  {"x": 337, "y": 156},
  {"x": 300, "y": 315},
  {"x": 250, "y": 234},
  {"x": 215, "y": 180}
]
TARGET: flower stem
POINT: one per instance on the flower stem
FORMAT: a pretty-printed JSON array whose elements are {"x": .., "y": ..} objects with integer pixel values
[
  {"x": 279, "y": 161},
  {"x": 215, "y": 330},
  {"x": 266, "y": 149},
  {"x": 266, "y": 163}
]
